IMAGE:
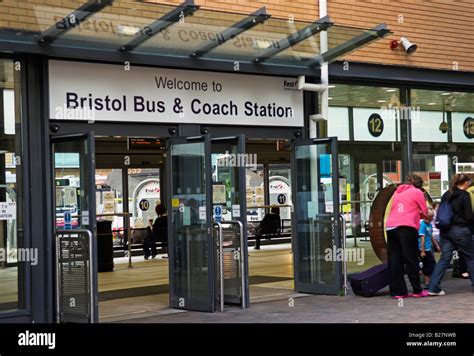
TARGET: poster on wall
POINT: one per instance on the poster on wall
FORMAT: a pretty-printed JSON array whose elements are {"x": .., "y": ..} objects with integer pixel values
[
  {"x": 218, "y": 194},
  {"x": 7, "y": 211},
  {"x": 434, "y": 184}
]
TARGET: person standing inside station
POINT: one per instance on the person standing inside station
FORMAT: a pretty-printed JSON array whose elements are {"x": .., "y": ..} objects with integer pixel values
[
  {"x": 459, "y": 235},
  {"x": 403, "y": 224},
  {"x": 160, "y": 228}
]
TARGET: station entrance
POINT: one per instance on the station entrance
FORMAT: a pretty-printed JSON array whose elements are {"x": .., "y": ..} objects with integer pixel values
[{"x": 216, "y": 191}]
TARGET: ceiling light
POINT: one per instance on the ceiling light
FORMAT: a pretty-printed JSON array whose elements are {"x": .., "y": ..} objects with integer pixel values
[
  {"x": 128, "y": 30},
  {"x": 331, "y": 86},
  {"x": 431, "y": 104},
  {"x": 261, "y": 44},
  {"x": 329, "y": 98},
  {"x": 445, "y": 93},
  {"x": 381, "y": 101},
  {"x": 390, "y": 90}
]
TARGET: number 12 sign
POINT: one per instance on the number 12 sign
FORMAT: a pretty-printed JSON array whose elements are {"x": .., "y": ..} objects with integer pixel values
[{"x": 375, "y": 125}]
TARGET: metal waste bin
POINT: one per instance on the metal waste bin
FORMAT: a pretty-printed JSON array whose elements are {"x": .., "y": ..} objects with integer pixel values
[{"x": 105, "y": 246}]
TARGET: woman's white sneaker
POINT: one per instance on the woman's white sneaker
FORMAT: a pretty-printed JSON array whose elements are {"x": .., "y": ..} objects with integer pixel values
[{"x": 437, "y": 294}]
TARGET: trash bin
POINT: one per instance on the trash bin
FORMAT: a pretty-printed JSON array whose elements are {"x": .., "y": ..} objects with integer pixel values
[{"x": 105, "y": 246}]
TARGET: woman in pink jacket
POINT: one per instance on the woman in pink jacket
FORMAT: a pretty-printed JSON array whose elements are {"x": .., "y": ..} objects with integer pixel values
[{"x": 408, "y": 207}]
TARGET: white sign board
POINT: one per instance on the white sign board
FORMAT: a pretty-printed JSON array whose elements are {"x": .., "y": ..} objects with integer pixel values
[
  {"x": 7, "y": 211},
  {"x": 107, "y": 92}
]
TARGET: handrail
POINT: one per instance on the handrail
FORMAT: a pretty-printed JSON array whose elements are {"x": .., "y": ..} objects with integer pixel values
[
  {"x": 269, "y": 206},
  {"x": 242, "y": 264},
  {"x": 241, "y": 260},
  {"x": 91, "y": 271},
  {"x": 344, "y": 260},
  {"x": 221, "y": 264}
]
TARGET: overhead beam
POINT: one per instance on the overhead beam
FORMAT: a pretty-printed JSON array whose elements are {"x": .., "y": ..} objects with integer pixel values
[
  {"x": 359, "y": 41},
  {"x": 177, "y": 14},
  {"x": 72, "y": 20},
  {"x": 252, "y": 20},
  {"x": 292, "y": 40}
]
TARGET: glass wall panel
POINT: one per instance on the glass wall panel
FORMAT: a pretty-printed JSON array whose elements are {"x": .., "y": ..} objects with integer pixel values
[
  {"x": 13, "y": 258},
  {"x": 425, "y": 126},
  {"x": 338, "y": 123},
  {"x": 448, "y": 131},
  {"x": 370, "y": 161}
]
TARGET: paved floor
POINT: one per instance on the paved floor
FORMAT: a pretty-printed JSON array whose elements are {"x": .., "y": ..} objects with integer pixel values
[
  {"x": 455, "y": 307},
  {"x": 142, "y": 290},
  {"x": 128, "y": 293}
]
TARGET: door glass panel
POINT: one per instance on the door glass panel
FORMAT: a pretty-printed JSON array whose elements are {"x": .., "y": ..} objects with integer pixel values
[
  {"x": 73, "y": 208},
  {"x": 225, "y": 179},
  {"x": 316, "y": 224},
  {"x": 228, "y": 196},
  {"x": 12, "y": 271},
  {"x": 191, "y": 253}
]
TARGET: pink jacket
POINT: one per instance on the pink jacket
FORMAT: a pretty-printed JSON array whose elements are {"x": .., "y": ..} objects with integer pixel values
[{"x": 407, "y": 206}]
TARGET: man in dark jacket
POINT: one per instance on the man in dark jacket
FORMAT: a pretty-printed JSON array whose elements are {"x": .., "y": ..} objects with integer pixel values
[
  {"x": 270, "y": 225},
  {"x": 459, "y": 236},
  {"x": 160, "y": 228}
]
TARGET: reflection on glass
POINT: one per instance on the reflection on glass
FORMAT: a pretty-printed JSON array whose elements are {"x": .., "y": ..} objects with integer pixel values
[
  {"x": 315, "y": 212},
  {"x": 255, "y": 193},
  {"x": 189, "y": 219},
  {"x": 11, "y": 192},
  {"x": 225, "y": 178}
]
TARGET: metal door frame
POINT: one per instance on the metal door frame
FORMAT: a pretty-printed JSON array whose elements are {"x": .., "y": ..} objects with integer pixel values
[
  {"x": 305, "y": 287},
  {"x": 89, "y": 138},
  {"x": 240, "y": 140}
]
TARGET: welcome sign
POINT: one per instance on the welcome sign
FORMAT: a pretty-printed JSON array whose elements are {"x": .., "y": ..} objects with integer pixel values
[{"x": 105, "y": 92}]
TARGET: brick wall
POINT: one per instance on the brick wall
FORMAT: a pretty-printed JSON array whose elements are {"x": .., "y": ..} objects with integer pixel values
[{"x": 441, "y": 28}]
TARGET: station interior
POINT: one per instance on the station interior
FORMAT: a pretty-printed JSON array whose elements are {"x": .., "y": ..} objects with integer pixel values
[{"x": 139, "y": 287}]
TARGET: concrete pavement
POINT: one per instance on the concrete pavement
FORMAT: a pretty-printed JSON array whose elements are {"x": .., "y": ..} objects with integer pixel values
[{"x": 457, "y": 306}]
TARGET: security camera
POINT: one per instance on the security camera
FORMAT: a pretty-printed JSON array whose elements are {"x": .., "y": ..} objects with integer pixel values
[
  {"x": 54, "y": 128},
  {"x": 172, "y": 131},
  {"x": 444, "y": 127}
]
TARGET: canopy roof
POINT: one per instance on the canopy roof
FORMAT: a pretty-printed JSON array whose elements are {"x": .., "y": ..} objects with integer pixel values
[{"x": 185, "y": 35}]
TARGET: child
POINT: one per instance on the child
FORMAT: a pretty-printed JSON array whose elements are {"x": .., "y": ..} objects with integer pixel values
[{"x": 426, "y": 243}]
